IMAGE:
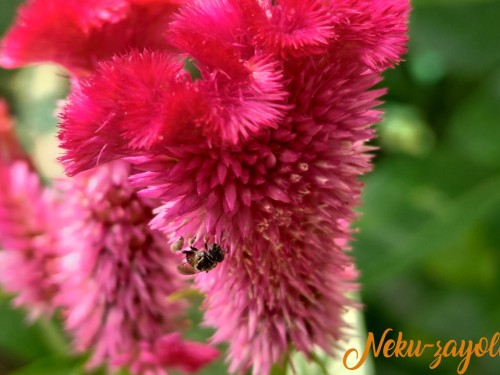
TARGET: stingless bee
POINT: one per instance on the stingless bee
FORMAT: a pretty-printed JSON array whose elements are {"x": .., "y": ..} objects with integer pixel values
[{"x": 201, "y": 260}]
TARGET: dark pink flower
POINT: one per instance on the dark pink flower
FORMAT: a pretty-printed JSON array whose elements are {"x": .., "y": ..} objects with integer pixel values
[
  {"x": 263, "y": 152},
  {"x": 295, "y": 28},
  {"x": 145, "y": 101},
  {"x": 281, "y": 205},
  {"x": 374, "y": 31},
  {"x": 116, "y": 275},
  {"x": 135, "y": 100},
  {"x": 78, "y": 33}
]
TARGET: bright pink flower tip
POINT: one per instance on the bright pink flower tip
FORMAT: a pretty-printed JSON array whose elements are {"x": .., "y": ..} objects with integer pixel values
[
  {"x": 373, "y": 31},
  {"x": 133, "y": 102},
  {"x": 295, "y": 27},
  {"x": 144, "y": 101},
  {"x": 77, "y": 34}
]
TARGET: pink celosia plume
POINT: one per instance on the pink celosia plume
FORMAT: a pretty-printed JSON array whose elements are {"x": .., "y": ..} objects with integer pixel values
[
  {"x": 78, "y": 33},
  {"x": 263, "y": 152},
  {"x": 281, "y": 206},
  {"x": 28, "y": 219},
  {"x": 116, "y": 275},
  {"x": 27, "y": 226}
]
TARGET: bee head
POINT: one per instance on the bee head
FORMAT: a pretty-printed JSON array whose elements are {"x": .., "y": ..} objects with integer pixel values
[{"x": 216, "y": 252}]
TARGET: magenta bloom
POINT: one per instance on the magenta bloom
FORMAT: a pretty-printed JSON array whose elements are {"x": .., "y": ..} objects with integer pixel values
[
  {"x": 116, "y": 275},
  {"x": 262, "y": 152},
  {"x": 78, "y": 33},
  {"x": 28, "y": 216},
  {"x": 27, "y": 258}
]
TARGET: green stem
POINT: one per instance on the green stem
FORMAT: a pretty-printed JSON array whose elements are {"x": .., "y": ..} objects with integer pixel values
[
  {"x": 53, "y": 337},
  {"x": 319, "y": 362}
]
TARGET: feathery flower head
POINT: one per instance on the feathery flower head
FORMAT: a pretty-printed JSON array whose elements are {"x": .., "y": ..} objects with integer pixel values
[
  {"x": 372, "y": 31},
  {"x": 28, "y": 237},
  {"x": 263, "y": 152},
  {"x": 116, "y": 274},
  {"x": 295, "y": 28},
  {"x": 28, "y": 223},
  {"x": 281, "y": 197},
  {"x": 143, "y": 102},
  {"x": 79, "y": 33},
  {"x": 135, "y": 102},
  {"x": 282, "y": 207}
]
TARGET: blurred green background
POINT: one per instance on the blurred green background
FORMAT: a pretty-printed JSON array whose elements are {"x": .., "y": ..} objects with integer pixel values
[{"x": 428, "y": 247}]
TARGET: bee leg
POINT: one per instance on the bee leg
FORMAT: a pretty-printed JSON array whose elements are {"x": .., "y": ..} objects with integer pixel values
[
  {"x": 192, "y": 241},
  {"x": 206, "y": 239}
]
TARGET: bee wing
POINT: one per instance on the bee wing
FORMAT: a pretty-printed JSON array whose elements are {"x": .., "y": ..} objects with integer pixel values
[{"x": 186, "y": 269}]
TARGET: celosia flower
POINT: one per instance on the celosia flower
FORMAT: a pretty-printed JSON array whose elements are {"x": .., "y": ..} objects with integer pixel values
[
  {"x": 27, "y": 221},
  {"x": 263, "y": 152},
  {"x": 166, "y": 107},
  {"x": 281, "y": 206},
  {"x": 78, "y": 33},
  {"x": 116, "y": 275},
  {"x": 27, "y": 258}
]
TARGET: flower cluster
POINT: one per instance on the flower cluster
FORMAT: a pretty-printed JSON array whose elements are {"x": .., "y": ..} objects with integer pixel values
[
  {"x": 27, "y": 226},
  {"x": 115, "y": 275},
  {"x": 245, "y": 121},
  {"x": 85, "y": 248}
]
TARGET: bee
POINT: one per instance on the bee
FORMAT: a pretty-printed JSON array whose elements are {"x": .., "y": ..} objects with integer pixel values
[{"x": 201, "y": 260}]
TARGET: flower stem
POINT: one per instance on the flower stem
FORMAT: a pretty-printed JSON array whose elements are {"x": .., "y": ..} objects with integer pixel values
[{"x": 53, "y": 337}]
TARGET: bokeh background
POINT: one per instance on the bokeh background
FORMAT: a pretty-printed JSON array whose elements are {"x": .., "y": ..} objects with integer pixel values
[{"x": 428, "y": 246}]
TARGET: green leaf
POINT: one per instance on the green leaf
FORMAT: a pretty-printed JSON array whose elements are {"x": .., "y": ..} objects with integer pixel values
[
  {"x": 463, "y": 38},
  {"x": 475, "y": 126},
  {"x": 53, "y": 366},
  {"x": 16, "y": 332},
  {"x": 438, "y": 233},
  {"x": 7, "y": 11}
]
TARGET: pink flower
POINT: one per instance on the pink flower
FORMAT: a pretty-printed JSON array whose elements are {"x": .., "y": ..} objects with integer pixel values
[
  {"x": 293, "y": 29},
  {"x": 145, "y": 101},
  {"x": 281, "y": 197},
  {"x": 28, "y": 220},
  {"x": 116, "y": 275},
  {"x": 282, "y": 207},
  {"x": 160, "y": 90},
  {"x": 78, "y": 33},
  {"x": 263, "y": 153}
]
